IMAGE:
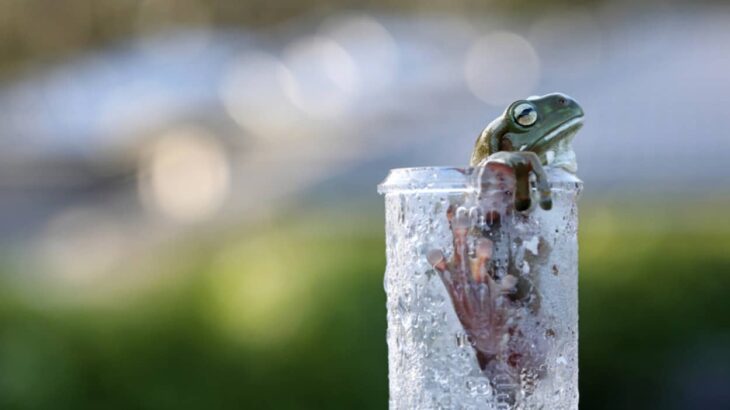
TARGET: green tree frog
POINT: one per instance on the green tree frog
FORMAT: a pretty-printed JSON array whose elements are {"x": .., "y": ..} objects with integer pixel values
[{"x": 529, "y": 134}]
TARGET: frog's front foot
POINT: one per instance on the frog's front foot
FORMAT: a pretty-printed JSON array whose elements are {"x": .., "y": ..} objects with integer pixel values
[{"x": 523, "y": 163}]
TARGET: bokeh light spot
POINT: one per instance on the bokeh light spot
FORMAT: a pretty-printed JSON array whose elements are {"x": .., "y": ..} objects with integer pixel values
[
  {"x": 369, "y": 44},
  {"x": 252, "y": 91},
  {"x": 502, "y": 67},
  {"x": 185, "y": 175},
  {"x": 325, "y": 78},
  {"x": 258, "y": 296},
  {"x": 80, "y": 245}
]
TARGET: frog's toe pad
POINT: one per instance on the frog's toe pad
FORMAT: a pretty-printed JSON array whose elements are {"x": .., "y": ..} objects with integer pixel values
[{"x": 522, "y": 204}]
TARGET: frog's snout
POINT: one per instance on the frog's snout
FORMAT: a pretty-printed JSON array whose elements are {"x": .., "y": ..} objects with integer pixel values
[{"x": 569, "y": 103}]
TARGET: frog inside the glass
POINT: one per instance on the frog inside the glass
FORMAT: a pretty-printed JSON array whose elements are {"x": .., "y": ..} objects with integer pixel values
[{"x": 489, "y": 290}]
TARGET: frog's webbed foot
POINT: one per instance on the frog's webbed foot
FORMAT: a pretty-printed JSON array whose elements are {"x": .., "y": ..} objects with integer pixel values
[
  {"x": 523, "y": 163},
  {"x": 481, "y": 300}
]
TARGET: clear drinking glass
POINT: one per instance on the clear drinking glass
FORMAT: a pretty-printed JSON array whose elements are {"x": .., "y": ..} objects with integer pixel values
[{"x": 482, "y": 300}]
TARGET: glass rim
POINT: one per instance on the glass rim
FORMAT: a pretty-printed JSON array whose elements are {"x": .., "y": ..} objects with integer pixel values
[{"x": 433, "y": 179}]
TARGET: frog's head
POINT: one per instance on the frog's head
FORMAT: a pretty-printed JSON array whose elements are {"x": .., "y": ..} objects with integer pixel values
[
  {"x": 544, "y": 125},
  {"x": 540, "y": 124}
]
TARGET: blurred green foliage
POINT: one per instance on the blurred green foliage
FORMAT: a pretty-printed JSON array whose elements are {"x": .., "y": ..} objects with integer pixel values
[{"x": 292, "y": 316}]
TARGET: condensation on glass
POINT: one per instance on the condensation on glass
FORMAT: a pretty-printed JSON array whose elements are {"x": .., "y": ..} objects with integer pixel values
[{"x": 482, "y": 300}]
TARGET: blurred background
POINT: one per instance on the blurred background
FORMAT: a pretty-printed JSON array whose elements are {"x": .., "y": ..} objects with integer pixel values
[{"x": 188, "y": 214}]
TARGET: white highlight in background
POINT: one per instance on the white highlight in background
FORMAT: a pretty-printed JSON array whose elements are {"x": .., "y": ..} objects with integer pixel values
[
  {"x": 370, "y": 46},
  {"x": 185, "y": 175},
  {"x": 502, "y": 67},
  {"x": 252, "y": 93},
  {"x": 324, "y": 77}
]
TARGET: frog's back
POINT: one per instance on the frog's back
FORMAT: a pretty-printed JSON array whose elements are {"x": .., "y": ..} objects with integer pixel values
[{"x": 483, "y": 147}]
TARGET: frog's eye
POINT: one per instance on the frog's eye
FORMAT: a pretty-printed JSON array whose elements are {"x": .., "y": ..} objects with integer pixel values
[{"x": 525, "y": 114}]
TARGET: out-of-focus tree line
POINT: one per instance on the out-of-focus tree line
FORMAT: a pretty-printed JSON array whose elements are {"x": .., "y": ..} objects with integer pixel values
[{"x": 44, "y": 30}]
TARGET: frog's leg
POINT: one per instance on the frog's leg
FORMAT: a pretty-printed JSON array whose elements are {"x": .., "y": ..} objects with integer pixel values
[
  {"x": 541, "y": 179},
  {"x": 480, "y": 300},
  {"x": 523, "y": 163}
]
